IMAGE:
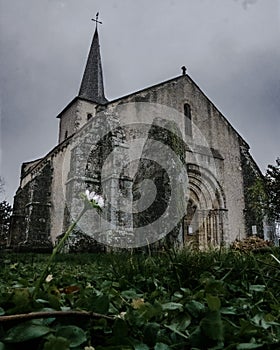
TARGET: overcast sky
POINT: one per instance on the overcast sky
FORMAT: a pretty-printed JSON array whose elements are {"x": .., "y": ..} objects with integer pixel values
[{"x": 231, "y": 49}]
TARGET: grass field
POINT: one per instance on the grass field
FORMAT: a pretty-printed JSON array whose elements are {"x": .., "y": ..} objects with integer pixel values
[{"x": 171, "y": 300}]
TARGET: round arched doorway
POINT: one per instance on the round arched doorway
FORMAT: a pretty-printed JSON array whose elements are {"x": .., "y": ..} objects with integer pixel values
[{"x": 205, "y": 222}]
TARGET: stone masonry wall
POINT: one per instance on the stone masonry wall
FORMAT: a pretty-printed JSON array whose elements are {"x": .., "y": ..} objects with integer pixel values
[
  {"x": 74, "y": 117},
  {"x": 250, "y": 174},
  {"x": 30, "y": 227},
  {"x": 218, "y": 134}
]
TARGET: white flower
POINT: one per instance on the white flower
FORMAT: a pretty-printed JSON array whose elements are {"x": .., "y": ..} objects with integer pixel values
[
  {"x": 49, "y": 278},
  {"x": 95, "y": 198},
  {"x": 122, "y": 315}
]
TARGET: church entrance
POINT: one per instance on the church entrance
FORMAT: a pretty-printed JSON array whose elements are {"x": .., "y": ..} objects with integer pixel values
[
  {"x": 205, "y": 222},
  {"x": 190, "y": 225},
  {"x": 203, "y": 228}
]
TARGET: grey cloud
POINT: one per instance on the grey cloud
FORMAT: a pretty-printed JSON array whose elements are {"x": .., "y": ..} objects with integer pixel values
[{"x": 232, "y": 54}]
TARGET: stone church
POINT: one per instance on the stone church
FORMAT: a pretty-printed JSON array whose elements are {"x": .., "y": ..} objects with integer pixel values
[{"x": 169, "y": 165}]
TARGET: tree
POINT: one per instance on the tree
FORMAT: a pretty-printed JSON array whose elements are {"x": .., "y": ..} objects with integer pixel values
[
  {"x": 5, "y": 215},
  {"x": 264, "y": 195},
  {"x": 272, "y": 183}
]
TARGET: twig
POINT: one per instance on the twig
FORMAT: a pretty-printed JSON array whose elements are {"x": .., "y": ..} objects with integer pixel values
[{"x": 48, "y": 314}]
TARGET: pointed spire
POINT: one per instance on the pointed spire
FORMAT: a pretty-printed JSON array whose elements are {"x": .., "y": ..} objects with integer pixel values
[{"x": 92, "y": 87}]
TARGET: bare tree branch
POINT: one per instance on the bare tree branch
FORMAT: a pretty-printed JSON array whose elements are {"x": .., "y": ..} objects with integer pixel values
[{"x": 44, "y": 314}]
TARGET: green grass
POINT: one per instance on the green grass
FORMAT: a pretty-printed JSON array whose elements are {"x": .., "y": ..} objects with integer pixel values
[{"x": 170, "y": 300}]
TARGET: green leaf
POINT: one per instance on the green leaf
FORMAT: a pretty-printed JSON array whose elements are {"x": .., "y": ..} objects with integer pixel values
[
  {"x": 172, "y": 306},
  {"x": 161, "y": 346},
  {"x": 99, "y": 304},
  {"x": 148, "y": 311},
  {"x": 269, "y": 317},
  {"x": 75, "y": 335},
  {"x": 130, "y": 294},
  {"x": 244, "y": 346},
  {"x": 247, "y": 328},
  {"x": 25, "y": 331},
  {"x": 257, "y": 288},
  {"x": 56, "y": 343},
  {"x": 213, "y": 302},
  {"x": 178, "y": 295},
  {"x": 2, "y": 311},
  {"x": 214, "y": 287},
  {"x": 2, "y": 346},
  {"x": 54, "y": 297},
  {"x": 43, "y": 321},
  {"x": 42, "y": 301},
  {"x": 140, "y": 347},
  {"x": 182, "y": 321},
  {"x": 212, "y": 326},
  {"x": 22, "y": 301},
  {"x": 195, "y": 308},
  {"x": 257, "y": 319},
  {"x": 230, "y": 310},
  {"x": 173, "y": 328}
]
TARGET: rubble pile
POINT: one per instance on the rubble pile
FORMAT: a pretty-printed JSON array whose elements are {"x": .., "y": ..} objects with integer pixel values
[{"x": 251, "y": 243}]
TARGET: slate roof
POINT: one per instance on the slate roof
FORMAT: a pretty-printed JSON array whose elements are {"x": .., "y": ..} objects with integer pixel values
[{"x": 92, "y": 86}]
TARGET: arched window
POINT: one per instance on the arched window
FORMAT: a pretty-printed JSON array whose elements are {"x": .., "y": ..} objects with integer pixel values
[
  {"x": 89, "y": 116},
  {"x": 188, "y": 119}
]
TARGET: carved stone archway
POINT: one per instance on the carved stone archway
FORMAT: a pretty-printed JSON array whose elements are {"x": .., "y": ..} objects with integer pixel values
[{"x": 205, "y": 223}]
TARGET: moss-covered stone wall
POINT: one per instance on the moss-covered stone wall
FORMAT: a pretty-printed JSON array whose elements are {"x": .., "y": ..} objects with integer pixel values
[
  {"x": 250, "y": 174},
  {"x": 30, "y": 224}
]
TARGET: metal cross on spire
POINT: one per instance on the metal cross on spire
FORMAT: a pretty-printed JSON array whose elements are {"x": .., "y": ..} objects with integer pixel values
[{"x": 96, "y": 19}]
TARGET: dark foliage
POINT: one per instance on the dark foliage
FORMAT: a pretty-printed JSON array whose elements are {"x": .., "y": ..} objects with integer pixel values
[
  {"x": 169, "y": 301},
  {"x": 272, "y": 180},
  {"x": 5, "y": 214}
]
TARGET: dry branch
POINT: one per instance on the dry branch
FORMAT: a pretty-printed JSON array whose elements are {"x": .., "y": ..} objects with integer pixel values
[{"x": 44, "y": 314}]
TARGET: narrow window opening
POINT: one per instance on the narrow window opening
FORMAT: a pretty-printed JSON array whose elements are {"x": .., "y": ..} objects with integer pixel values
[
  {"x": 89, "y": 116},
  {"x": 66, "y": 134},
  {"x": 188, "y": 119}
]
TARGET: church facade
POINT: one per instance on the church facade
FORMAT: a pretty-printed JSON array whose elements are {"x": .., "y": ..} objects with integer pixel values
[{"x": 169, "y": 165}]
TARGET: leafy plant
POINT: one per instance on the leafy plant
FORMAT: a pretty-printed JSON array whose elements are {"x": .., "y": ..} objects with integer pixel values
[{"x": 225, "y": 300}]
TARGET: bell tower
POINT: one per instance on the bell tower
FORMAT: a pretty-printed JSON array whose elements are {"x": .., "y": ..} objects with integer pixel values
[
  {"x": 92, "y": 86},
  {"x": 91, "y": 93}
]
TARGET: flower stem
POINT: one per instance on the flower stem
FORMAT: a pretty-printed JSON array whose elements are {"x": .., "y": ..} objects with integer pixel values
[
  {"x": 56, "y": 250},
  {"x": 274, "y": 257}
]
